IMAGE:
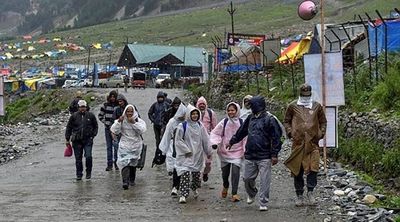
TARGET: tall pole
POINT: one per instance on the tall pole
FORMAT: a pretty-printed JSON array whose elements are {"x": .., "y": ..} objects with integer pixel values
[
  {"x": 323, "y": 75},
  {"x": 88, "y": 63},
  {"x": 231, "y": 12}
]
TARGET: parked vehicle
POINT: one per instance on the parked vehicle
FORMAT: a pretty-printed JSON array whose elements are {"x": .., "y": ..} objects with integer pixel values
[
  {"x": 68, "y": 83},
  {"x": 138, "y": 80},
  {"x": 160, "y": 78},
  {"x": 115, "y": 81}
]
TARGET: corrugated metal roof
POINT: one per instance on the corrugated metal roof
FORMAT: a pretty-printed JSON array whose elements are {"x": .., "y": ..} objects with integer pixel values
[{"x": 148, "y": 53}]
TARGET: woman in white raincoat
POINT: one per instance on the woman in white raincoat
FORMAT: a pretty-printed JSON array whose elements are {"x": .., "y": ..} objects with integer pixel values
[
  {"x": 191, "y": 143},
  {"x": 130, "y": 127},
  {"x": 231, "y": 159},
  {"x": 167, "y": 146}
]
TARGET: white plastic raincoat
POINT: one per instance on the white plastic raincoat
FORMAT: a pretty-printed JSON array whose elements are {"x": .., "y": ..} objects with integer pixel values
[
  {"x": 130, "y": 144},
  {"x": 166, "y": 144},
  {"x": 194, "y": 141}
]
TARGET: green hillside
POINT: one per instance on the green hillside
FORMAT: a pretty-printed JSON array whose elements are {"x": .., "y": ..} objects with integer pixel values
[{"x": 196, "y": 28}]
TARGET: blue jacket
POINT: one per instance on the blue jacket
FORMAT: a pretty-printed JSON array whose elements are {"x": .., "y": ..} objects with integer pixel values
[
  {"x": 157, "y": 109},
  {"x": 263, "y": 133}
]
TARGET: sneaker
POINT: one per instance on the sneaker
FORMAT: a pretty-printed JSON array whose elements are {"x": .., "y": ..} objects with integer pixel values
[
  {"x": 174, "y": 192},
  {"x": 205, "y": 177},
  {"x": 224, "y": 192},
  {"x": 108, "y": 168},
  {"x": 311, "y": 198},
  {"x": 195, "y": 194},
  {"x": 235, "y": 198},
  {"x": 299, "y": 202},
  {"x": 263, "y": 208},
  {"x": 182, "y": 200},
  {"x": 250, "y": 200},
  {"x": 78, "y": 178},
  {"x": 125, "y": 186},
  {"x": 88, "y": 176}
]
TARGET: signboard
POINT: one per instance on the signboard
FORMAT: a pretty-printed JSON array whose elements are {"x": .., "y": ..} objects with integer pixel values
[
  {"x": 267, "y": 47},
  {"x": 331, "y": 128},
  {"x": 334, "y": 87},
  {"x": 2, "y": 112},
  {"x": 236, "y": 38}
]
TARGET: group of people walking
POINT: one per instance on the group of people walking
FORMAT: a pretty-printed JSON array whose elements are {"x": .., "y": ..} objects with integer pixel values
[{"x": 248, "y": 139}]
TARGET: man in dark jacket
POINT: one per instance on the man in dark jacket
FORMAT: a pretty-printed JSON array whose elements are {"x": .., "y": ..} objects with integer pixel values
[
  {"x": 155, "y": 115},
  {"x": 106, "y": 117},
  {"x": 262, "y": 148},
  {"x": 81, "y": 129}
]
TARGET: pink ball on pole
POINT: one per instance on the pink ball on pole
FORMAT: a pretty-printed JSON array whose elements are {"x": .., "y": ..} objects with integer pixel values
[{"x": 307, "y": 10}]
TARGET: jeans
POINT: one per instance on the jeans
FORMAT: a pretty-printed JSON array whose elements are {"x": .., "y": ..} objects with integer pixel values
[
  {"x": 157, "y": 134},
  {"x": 251, "y": 169},
  {"x": 299, "y": 181},
  {"x": 81, "y": 147},
  {"x": 111, "y": 147}
]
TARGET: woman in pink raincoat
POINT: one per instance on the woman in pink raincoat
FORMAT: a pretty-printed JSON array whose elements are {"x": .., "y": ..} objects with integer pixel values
[{"x": 231, "y": 160}]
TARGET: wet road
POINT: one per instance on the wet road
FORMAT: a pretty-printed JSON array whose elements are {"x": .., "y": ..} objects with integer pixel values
[{"x": 42, "y": 187}]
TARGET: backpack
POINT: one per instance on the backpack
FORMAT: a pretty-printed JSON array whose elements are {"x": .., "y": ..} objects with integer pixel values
[
  {"x": 226, "y": 121},
  {"x": 184, "y": 125}
]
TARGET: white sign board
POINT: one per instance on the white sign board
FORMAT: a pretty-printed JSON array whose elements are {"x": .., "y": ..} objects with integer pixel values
[
  {"x": 331, "y": 128},
  {"x": 2, "y": 113},
  {"x": 334, "y": 87}
]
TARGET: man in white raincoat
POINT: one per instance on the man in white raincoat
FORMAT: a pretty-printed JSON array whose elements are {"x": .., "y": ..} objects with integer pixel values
[
  {"x": 191, "y": 143},
  {"x": 167, "y": 146},
  {"x": 130, "y": 127}
]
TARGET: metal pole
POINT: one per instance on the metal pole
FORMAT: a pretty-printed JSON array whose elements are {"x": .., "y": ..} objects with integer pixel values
[
  {"x": 330, "y": 43},
  {"x": 292, "y": 70},
  {"x": 323, "y": 76},
  {"x": 386, "y": 45},
  {"x": 352, "y": 65},
  {"x": 376, "y": 47},
  {"x": 88, "y": 63},
  {"x": 279, "y": 69},
  {"x": 369, "y": 50},
  {"x": 255, "y": 67}
]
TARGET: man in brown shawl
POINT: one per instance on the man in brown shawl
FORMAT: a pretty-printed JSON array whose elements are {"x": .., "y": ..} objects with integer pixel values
[{"x": 305, "y": 124}]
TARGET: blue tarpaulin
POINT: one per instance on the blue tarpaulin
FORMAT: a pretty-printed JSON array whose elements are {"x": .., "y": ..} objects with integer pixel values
[
  {"x": 393, "y": 37},
  {"x": 242, "y": 68}
]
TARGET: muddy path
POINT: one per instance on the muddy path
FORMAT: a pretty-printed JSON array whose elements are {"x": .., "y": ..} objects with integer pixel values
[{"x": 41, "y": 186}]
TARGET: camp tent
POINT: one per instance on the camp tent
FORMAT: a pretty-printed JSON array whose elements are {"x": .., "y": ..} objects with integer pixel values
[
  {"x": 244, "y": 58},
  {"x": 295, "y": 51},
  {"x": 393, "y": 36}
]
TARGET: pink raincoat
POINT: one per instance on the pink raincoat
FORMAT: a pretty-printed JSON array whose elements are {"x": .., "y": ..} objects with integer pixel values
[
  {"x": 209, "y": 124},
  {"x": 205, "y": 117},
  {"x": 221, "y": 138}
]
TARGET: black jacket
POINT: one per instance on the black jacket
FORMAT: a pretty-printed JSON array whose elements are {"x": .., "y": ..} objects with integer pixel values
[
  {"x": 263, "y": 131},
  {"x": 170, "y": 113},
  {"x": 157, "y": 109},
  {"x": 81, "y": 127}
]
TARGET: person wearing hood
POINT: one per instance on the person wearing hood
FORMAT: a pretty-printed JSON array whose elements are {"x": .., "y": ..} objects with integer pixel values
[
  {"x": 130, "y": 128},
  {"x": 155, "y": 115},
  {"x": 191, "y": 144},
  {"x": 305, "y": 124},
  {"x": 262, "y": 148},
  {"x": 209, "y": 120},
  {"x": 122, "y": 103},
  {"x": 245, "y": 111},
  {"x": 168, "y": 149},
  {"x": 82, "y": 127},
  {"x": 231, "y": 160},
  {"x": 170, "y": 113},
  {"x": 106, "y": 117}
]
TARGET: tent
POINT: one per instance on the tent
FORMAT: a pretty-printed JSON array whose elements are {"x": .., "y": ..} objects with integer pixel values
[
  {"x": 244, "y": 58},
  {"x": 295, "y": 51},
  {"x": 393, "y": 36}
]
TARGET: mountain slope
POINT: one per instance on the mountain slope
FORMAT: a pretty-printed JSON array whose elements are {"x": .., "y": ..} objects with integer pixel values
[{"x": 41, "y": 16}]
